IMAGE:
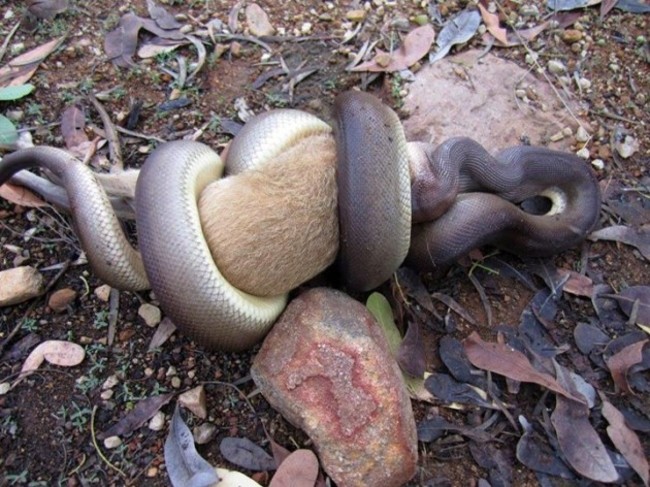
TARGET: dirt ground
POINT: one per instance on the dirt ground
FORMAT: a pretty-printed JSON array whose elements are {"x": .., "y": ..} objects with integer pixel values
[{"x": 48, "y": 422}]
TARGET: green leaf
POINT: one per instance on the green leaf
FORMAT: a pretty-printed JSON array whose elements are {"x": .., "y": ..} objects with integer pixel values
[
  {"x": 380, "y": 308},
  {"x": 8, "y": 133},
  {"x": 9, "y": 93}
]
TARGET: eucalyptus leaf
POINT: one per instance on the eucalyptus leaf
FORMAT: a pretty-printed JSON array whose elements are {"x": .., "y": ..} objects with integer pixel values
[
  {"x": 457, "y": 30},
  {"x": 9, "y": 93},
  {"x": 8, "y": 132},
  {"x": 185, "y": 467},
  {"x": 380, "y": 308}
]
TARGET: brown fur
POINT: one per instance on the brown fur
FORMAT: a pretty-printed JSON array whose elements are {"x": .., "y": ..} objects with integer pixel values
[{"x": 273, "y": 228}]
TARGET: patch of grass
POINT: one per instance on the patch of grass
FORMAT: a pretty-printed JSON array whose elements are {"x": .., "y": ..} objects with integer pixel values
[
  {"x": 17, "y": 478},
  {"x": 101, "y": 319},
  {"x": 78, "y": 417},
  {"x": 9, "y": 426},
  {"x": 30, "y": 325}
]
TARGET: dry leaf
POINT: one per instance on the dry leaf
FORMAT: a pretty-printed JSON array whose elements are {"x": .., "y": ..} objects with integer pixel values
[
  {"x": 20, "y": 69},
  {"x": 73, "y": 122},
  {"x": 143, "y": 412},
  {"x": 626, "y": 440},
  {"x": 503, "y": 360},
  {"x": 576, "y": 283},
  {"x": 47, "y": 9},
  {"x": 493, "y": 26},
  {"x": 56, "y": 352},
  {"x": 635, "y": 300},
  {"x": 415, "y": 46},
  {"x": 300, "y": 469},
  {"x": 162, "y": 17},
  {"x": 244, "y": 453},
  {"x": 20, "y": 196},
  {"x": 578, "y": 440},
  {"x": 637, "y": 237},
  {"x": 621, "y": 362}
]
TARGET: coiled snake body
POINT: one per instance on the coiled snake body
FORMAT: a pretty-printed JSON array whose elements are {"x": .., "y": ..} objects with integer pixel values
[{"x": 396, "y": 200}]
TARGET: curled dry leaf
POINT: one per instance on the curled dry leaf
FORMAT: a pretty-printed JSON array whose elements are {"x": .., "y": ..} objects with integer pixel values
[
  {"x": 185, "y": 467},
  {"x": 20, "y": 196},
  {"x": 73, "y": 123},
  {"x": 415, "y": 46},
  {"x": 503, "y": 360},
  {"x": 21, "y": 68},
  {"x": 161, "y": 16},
  {"x": 244, "y": 453},
  {"x": 635, "y": 300},
  {"x": 626, "y": 440},
  {"x": 493, "y": 25},
  {"x": 47, "y": 9},
  {"x": 578, "y": 440},
  {"x": 621, "y": 362},
  {"x": 637, "y": 237},
  {"x": 143, "y": 412},
  {"x": 300, "y": 469},
  {"x": 56, "y": 352},
  {"x": 457, "y": 30}
]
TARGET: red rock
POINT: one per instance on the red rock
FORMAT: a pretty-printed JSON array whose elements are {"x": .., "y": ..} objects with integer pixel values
[
  {"x": 327, "y": 369},
  {"x": 61, "y": 299}
]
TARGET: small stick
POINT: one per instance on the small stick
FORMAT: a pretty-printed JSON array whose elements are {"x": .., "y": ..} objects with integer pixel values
[{"x": 113, "y": 139}]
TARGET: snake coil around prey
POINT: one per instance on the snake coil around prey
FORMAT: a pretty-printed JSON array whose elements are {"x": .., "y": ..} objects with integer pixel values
[{"x": 221, "y": 254}]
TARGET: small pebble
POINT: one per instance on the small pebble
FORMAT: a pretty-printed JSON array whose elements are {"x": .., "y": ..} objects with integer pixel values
[
  {"x": 356, "y": 15},
  {"x": 557, "y": 136},
  {"x": 306, "y": 27},
  {"x": 103, "y": 292},
  {"x": 571, "y": 35},
  {"x": 152, "y": 472},
  {"x": 112, "y": 442},
  {"x": 157, "y": 423},
  {"x": 556, "y": 67},
  {"x": 204, "y": 433},
  {"x": 598, "y": 164},
  {"x": 150, "y": 314},
  {"x": 581, "y": 134},
  {"x": 176, "y": 382},
  {"x": 110, "y": 382},
  {"x": 627, "y": 147},
  {"x": 583, "y": 153},
  {"x": 4, "y": 388},
  {"x": 107, "y": 394},
  {"x": 60, "y": 299},
  {"x": 583, "y": 83}
]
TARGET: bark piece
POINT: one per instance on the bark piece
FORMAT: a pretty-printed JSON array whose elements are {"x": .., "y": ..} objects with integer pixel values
[{"x": 326, "y": 367}]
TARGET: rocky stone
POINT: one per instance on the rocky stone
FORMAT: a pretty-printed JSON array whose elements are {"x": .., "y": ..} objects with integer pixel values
[
  {"x": 194, "y": 400},
  {"x": 157, "y": 423},
  {"x": 204, "y": 433},
  {"x": 150, "y": 314},
  {"x": 326, "y": 367},
  {"x": 258, "y": 21},
  {"x": 103, "y": 292},
  {"x": 112, "y": 442},
  {"x": 19, "y": 284},
  {"x": 61, "y": 299},
  {"x": 571, "y": 35}
]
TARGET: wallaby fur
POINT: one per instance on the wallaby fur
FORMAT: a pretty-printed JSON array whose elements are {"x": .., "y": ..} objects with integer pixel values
[{"x": 275, "y": 227}]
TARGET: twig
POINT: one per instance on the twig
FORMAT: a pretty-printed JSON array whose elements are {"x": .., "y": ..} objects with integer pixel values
[
  {"x": 113, "y": 139},
  {"x": 484, "y": 299},
  {"x": 138, "y": 134},
  {"x": 32, "y": 305},
  {"x": 113, "y": 311},
  {"x": 99, "y": 451},
  {"x": 3, "y": 49}
]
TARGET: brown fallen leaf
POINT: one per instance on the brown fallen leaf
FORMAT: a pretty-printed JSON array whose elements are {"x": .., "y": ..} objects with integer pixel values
[
  {"x": 415, "y": 46},
  {"x": 637, "y": 237},
  {"x": 606, "y": 7},
  {"x": 619, "y": 364},
  {"x": 56, "y": 352},
  {"x": 47, "y": 9},
  {"x": 21, "y": 68},
  {"x": 20, "y": 196},
  {"x": 73, "y": 123},
  {"x": 503, "y": 360},
  {"x": 634, "y": 299},
  {"x": 576, "y": 283},
  {"x": 300, "y": 469},
  {"x": 625, "y": 440},
  {"x": 493, "y": 25},
  {"x": 161, "y": 16},
  {"x": 577, "y": 438},
  {"x": 143, "y": 412},
  {"x": 410, "y": 354}
]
